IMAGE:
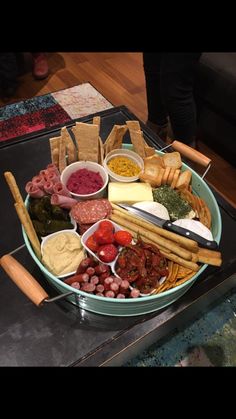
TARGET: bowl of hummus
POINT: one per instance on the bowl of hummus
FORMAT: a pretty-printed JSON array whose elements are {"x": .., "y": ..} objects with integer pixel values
[{"x": 62, "y": 252}]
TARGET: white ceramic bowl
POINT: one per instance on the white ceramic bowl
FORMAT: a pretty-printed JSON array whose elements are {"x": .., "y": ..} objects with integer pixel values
[
  {"x": 122, "y": 152},
  {"x": 46, "y": 238},
  {"x": 89, "y": 232},
  {"x": 94, "y": 167}
]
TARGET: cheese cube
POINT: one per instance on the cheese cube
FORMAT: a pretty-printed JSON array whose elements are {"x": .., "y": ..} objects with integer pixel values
[{"x": 129, "y": 192}]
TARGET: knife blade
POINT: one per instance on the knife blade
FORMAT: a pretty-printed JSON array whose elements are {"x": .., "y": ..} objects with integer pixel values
[{"x": 168, "y": 225}]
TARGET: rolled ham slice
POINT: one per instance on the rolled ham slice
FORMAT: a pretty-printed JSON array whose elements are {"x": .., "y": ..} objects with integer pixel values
[
  {"x": 33, "y": 190},
  {"x": 49, "y": 187},
  {"x": 63, "y": 201},
  {"x": 38, "y": 181},
  {"x": 50, "y": 175},
  {"x": 53, "y": 168},
  {"x": 43, "y": 173},
  {"x": 60, "y": 189}
]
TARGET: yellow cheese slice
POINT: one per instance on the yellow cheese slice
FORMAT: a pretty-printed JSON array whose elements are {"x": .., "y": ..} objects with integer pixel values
[{"x": 129, "y": 192}]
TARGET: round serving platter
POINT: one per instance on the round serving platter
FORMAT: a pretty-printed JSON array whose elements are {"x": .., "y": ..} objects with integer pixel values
[{"x": 136, "y": 306}]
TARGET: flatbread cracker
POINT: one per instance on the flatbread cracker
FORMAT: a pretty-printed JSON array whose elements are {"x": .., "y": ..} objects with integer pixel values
[
  {"x": 97, "y": 121},
  {"x": 115, "y": 138},
  {"x": 86, "y": 136},
  {"x": 54, "y": 148},
  {"x": 62, "y": 154},
  {"x": 138, "y": 142},
  {"x": 135, "y": 125},
  {"x": 149, "y": 151},
  {"x": 100, "y": 151},
  {"x": 70, "y": 146}
]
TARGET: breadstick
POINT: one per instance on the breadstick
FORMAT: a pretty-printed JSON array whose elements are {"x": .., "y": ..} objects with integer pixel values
[
  {"x": 207, "y": 252},
  {"x": 210, "y": 260},
  {"x": 13, "y": 188},
  {"x": 185, "y": 254},
  {"x": 21, "y": 212},
  {"x": 186, "y": 263},
  {"x": 182, "y": 241}
]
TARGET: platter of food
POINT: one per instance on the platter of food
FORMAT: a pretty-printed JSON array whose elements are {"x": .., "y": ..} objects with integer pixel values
[{"x": 126, "y": 265}]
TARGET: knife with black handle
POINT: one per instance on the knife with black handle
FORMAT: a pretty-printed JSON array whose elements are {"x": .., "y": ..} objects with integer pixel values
[{"x": 168, "y": 225}]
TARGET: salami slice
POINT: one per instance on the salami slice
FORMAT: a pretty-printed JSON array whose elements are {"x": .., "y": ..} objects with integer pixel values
[
  {"x": 107, "y": 205},
  {"x": 89, "y": 212}
]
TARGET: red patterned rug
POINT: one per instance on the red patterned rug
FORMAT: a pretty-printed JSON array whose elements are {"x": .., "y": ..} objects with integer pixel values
[{"x": 42, "y": 112}]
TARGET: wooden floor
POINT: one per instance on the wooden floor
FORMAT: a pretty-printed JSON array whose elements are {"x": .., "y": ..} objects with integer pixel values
[{"x": 120, "y": 78}]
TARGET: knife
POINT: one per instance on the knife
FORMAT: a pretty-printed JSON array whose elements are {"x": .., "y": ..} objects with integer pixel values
[{"x": 167, "y": 225}]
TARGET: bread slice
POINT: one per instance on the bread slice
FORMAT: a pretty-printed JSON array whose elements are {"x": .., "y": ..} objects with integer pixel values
[
  {"x": 184, "y": 179},
  {"x": 175, "y": 179},
  {"x": 165, "y": 175},
  {"x": 171, "y": 176},
  {"x": 154, "y": 159},
  {"x": 173, "y": 159},
  {"x": 152, "y": 180}
]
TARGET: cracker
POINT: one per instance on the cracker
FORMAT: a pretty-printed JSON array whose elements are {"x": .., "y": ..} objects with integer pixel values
[
  {"x": 171, "y": 176},
  {"x": 62, "y": 154},
  {"x": 70, "y": 146},
  {"x": 86, "y": 136},
  {"x": 54, "y": 148},
  {"x": 173, "y": 159},
  {"x": 100, "y": 151},
  {"x": 165, "y": 175},
  {"x": 115, "y": 138},
  {"x": 154, "y": 159},
  {"x": 149, "y": 151},
  {"x": 134, "y": 125},
  {"x": 138, "y": 142},
  {"x": 175, "y": 178},
  {"x": 97, "y": 121}
]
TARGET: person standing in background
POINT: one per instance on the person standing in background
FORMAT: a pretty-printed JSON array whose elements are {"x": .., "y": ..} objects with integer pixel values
[
  {"x": 8, "y": 74},
  {"x": 169, "y": 86}
]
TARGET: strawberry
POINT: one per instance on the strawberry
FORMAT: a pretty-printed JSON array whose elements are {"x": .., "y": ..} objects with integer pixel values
[
  {"x": 123, "y": 237},
  {"x": 107, "y": 253}
]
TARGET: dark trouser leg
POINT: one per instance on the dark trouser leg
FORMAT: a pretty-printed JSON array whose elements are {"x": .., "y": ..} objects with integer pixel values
[
  {"x": 152, "y": 63},
  {"x": 177, "y": 79}
]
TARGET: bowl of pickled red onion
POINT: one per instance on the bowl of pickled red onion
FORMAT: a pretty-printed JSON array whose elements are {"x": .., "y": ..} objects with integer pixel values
[{"x": 85, "y": 180}]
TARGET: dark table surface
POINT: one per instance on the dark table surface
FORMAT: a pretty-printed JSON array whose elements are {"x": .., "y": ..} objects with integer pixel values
[{"x": 61, "y": 334}]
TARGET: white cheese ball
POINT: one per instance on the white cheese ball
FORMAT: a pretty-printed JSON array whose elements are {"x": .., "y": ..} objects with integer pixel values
[
  {"x": 153, "y": 208},
  {"x": 195, "y": 226}
]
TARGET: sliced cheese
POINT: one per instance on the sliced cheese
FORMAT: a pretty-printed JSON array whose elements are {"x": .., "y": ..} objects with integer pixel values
[{"x": 129, "y": 192}]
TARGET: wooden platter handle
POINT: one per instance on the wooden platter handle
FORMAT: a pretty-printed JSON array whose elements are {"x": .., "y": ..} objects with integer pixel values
[
  {"x": 191, "y": 153},
  {"x": 23, "y": 279}
]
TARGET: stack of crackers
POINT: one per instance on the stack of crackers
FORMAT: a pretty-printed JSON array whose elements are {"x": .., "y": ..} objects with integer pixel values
[
  {"x": 165, "y": 170},
  {"x": 87, "y": 143}
]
